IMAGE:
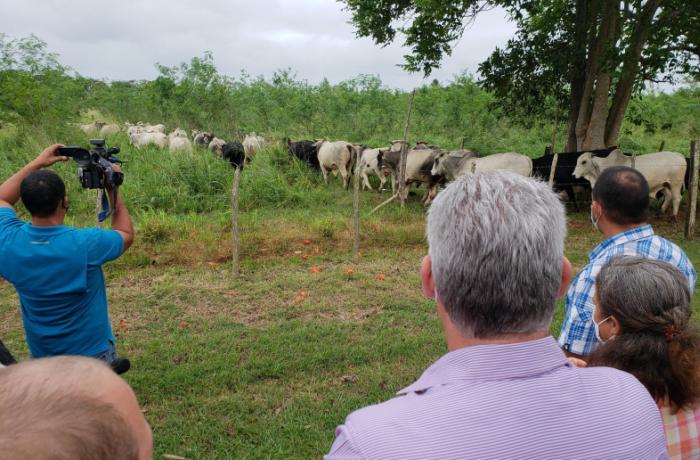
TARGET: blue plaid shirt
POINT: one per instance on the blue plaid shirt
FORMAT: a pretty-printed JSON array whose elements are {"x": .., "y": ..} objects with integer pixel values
[{"x": 577, "y": 333}]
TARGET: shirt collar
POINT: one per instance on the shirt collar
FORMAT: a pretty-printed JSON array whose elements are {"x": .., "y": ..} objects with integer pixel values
[
  {"x": 634, "y": 234},
  {"x": 492, "y": 362},
  {"x": 50, "y": 230}
]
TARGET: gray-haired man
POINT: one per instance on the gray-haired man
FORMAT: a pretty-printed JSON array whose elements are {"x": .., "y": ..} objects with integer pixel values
[{"x": 505, "y": 389}]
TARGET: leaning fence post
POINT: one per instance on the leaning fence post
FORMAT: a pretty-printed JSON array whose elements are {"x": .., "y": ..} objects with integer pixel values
[
  {"x": 403, "y": 192},
  {"x": 236, "y": 237},
  {"x": 356, "y": 209},
  {"x": 693, "y": 190},
  {"x": 552, "y": 171}
]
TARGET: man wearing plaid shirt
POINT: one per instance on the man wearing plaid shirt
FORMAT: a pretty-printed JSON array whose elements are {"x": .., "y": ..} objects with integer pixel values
[{"x": 619, "y": 211}]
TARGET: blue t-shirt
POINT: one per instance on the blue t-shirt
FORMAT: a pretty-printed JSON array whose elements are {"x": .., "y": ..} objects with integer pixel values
[{"x": 57, "y": 272}]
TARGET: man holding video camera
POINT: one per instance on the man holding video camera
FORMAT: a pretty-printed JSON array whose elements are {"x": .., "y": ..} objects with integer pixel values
[{"x": 57, "y": 270}]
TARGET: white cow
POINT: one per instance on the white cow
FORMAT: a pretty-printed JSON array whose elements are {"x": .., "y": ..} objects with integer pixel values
[
  {"x": 369, "y": 165},
  {"x": 509, "y": 161},
  {"x": 251, "y": 144},
  {"x": 178, "y": 141},
  {"x": 336, "y": 157},
  {"x": 664, "y": 171},
  {"x": 109, "y": 130},
  {"x": 216, "y": 145},
  {"x": 159, "y": 128},
  {"x": 93, "y": 127},
  {"x": 201, "y": 138},
  {"x": 139, "y": 140}
]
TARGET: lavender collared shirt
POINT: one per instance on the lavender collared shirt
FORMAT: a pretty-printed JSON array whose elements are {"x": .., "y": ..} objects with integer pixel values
[{"x": 516, "y": 401}]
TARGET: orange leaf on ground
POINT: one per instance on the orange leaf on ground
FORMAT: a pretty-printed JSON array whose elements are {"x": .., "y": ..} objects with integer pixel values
[
  {"x": 381, "y": 277},
  {"x": 315, "y": 269},
  {"x": 349, "y": 271},
  {"x": 302, "y": 294},
  {"x": 122, "y": 324},
  {"x": 184, "y": 324},
  {"x": 307, "y": 242},
  {"x": 193, "y": 235}
]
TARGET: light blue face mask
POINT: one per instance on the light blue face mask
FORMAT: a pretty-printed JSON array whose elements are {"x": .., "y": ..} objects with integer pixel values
[
  {"x": 594, "y": 221},
  {"x": 596, "y": 328}
]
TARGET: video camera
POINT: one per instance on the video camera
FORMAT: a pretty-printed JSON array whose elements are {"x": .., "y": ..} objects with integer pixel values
[{"x": 95, "y": 165}]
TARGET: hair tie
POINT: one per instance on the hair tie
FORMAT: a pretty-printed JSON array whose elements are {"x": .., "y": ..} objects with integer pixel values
[{"x": 670, "y": 332}]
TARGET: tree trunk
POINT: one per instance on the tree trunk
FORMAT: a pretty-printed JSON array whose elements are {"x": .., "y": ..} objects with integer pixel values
[
  {"x": 630, "y": 69},
  {"x": 592, "y": 64},
  {"x": 578, "y": 72},
  {"x": 595, "y": 133}
]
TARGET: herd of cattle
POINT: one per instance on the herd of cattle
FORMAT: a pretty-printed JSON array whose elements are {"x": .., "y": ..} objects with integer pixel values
[
  {"x": 432, "y": 166},
  {"x": 426, "y": 164},
  {"x": 142, "y": 135}
]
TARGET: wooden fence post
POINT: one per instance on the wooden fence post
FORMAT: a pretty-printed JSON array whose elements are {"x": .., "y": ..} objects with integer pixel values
[
  {"x": 356, "y": 209},
  {"x": 553, "y": 170},
  {"x": 692, "y": 190},
  {"x": 403, "y": 191},
  {"x": 235, "y": 233}
]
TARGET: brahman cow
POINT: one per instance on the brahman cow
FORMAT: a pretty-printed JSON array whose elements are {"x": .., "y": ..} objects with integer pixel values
[
  {"x": 664, "y": 171},
  {"x": 369, "y": 165},
  {"x": 419, "y": 163},
  {"x": 234, "y": 153},
  {"x": 337, "y": 157},
  {"x": 305, "y": 151},
  {"x": 446, "y": 164},
  {"x": 251, "y": 144}
]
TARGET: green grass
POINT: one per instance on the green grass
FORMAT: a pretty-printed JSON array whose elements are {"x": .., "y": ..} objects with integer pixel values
[{"x": 262, "y": 371}]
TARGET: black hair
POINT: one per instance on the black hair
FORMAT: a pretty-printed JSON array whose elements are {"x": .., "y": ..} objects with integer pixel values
[
  {"x": 624, "y": 194},
  {"x": 42, "y": 192}
]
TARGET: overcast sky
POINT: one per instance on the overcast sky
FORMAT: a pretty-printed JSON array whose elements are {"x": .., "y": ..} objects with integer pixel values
[{"x": 122, "y": 40}]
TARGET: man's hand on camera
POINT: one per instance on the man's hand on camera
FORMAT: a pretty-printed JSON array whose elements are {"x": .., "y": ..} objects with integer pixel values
[
  {"x": 49, "y": 156},
  {"x": 116, "y": 167}
]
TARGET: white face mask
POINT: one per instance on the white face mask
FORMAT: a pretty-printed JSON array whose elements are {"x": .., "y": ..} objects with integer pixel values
[{"x": 596, "y": 328}]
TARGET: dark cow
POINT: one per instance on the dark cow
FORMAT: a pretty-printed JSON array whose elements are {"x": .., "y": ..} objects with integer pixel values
[
  {"x": 233, "y": 152},
  {"x": 306, "y": 151},
  {"x": 564, "y": 180}
]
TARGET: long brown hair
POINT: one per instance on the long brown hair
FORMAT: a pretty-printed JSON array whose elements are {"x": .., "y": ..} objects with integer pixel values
[{"x": 651, "y": 301}]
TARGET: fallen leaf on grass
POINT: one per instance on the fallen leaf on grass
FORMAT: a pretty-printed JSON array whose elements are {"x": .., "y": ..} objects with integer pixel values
[
  {"x": 348, "y": 378},
  {"x": 184, "y": 324},
  {"x": 122, "y": 324},
  {"x": 315, "y": 269},
  {"x": 349, "y": 271},
  {"x": 381, "y": 277},
  {"x": 297, "y": 252},
  {"x": 307, "y": 242},
  {"x": 193, "y": 235},
  {"x": 317, "y": 250}
]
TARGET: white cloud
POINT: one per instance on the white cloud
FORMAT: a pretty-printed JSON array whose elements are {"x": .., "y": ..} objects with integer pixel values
[{"x": 123, "y": 41}]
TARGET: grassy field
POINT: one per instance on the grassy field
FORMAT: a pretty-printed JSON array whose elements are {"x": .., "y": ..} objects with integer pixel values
[{"x": 266, "y": 365}]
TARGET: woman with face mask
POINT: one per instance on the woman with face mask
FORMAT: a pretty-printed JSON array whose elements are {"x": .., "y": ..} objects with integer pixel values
[{"x": 641, "y": 317}]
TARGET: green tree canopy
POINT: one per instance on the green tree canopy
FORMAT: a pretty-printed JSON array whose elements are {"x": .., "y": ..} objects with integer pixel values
[{"x": 591, "y": 55}]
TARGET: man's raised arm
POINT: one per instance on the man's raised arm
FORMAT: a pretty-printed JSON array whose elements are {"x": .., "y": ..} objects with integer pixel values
[
  {"x": 121, "y": 220},
  {"x": 9, "y": 190}
]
